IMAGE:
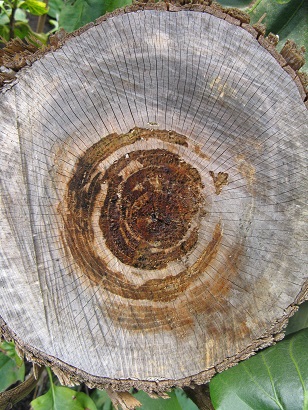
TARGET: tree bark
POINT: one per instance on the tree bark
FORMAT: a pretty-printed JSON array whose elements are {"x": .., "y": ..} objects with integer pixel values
[{"x": 153, "y": 198}]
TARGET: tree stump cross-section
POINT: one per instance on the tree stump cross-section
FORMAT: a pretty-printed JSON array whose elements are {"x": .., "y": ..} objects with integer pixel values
[{"x": 154, "y": 201}]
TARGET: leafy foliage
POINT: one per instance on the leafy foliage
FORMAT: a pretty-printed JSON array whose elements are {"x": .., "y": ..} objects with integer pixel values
[
  {"x": 101, "y": 400},
  {"x": 299, "y": 320},
  {"x": 274, "y": 379},
  {"x": 177, "y": 401},
  {"x": 62, "y": 398},
  {"x": 286, "y": 18},
  {"x": 12, "y": 368},
  {"x": 77, "y": 13},
  {"x": 35, "y": 7},
  {"x": 55, "y": 7},
  {"x": 13, "y": 17}
]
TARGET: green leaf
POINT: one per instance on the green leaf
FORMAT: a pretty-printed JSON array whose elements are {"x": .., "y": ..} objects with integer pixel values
[
  {"x": 235, "y": 3},
  {"x": 282, "y": 1},
  {"x": 4, "y": 33},
  {"x": 299, "y": 320},
  {"x": 5, "y": 6},
  {"x": 4, "y": 19},
  {"x": 55, "y": 7},
  {"x": 287, "y": 19},
  {"x": 63, "y": 398},
  {"x": 35, "y": 7},
  {"x": 185, "y": 402},
  {"x": 20, "y": 15},
  {"x": 22, "y": 29},
  {"x": 275, "y": 379},
  {"x": 101, "y": 400},
  {"x": 12, "y": 368},
  {"x": 9, "y": 349},
  {"x": 178, "y": 401},
  {"x": 81, "y": 12},
  {"x": 158, "y": 404}
]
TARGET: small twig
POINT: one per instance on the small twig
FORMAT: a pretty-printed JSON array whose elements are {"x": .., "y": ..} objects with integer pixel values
[
  {"x": 86, "y": 390},
  {"x": 41, "y": 21},
  {"x": 42, "y": 383},
  {"x": 261, "y": 18},
  {"x": 200, "y": 395},
  {"x": 12, "y": 19},
  {"x": 35, "y": 391}
]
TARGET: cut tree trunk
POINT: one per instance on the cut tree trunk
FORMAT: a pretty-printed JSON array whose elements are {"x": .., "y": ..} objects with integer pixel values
[{"x": 154, "y": 197}]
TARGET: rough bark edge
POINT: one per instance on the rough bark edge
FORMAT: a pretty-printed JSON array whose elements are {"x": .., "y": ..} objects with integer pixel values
[
  {"x": 18, "y": 54},
  {"x": 69, "y": 375}
]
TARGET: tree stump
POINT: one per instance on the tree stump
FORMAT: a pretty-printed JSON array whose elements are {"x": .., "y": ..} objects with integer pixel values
[{"x": 154, "y": 198}]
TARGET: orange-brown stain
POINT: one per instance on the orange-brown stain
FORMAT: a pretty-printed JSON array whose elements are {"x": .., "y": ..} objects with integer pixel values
[{"x": 152, "y": 197}]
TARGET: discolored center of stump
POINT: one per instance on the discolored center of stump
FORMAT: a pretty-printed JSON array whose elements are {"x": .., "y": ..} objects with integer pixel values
[
  {"x": 141, "y": 208},
  {"x": 151, "y": 199}
]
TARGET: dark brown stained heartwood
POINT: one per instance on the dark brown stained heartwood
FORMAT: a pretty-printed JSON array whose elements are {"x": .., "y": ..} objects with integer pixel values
[{"x": 154, "y": 196}]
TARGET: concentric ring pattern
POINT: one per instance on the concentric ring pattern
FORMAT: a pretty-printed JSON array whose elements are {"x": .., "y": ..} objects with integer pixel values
[{"x": 157, "y": 199}]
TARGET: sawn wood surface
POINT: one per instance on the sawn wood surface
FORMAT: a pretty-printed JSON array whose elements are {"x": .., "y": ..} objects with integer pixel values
[{"x": 154, "y": 201}]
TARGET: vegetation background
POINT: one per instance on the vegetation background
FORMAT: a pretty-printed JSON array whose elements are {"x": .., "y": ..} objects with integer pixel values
[{"x": 275, "y": 378}]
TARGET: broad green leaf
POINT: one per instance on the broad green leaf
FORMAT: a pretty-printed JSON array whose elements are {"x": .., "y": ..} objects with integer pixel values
[
  {"x": 299, "y": 320},
  {"x": 63, "y": 398},
  {"x": 4, "y": 19},
  {"x": 55, "y": 7},
  {"x": 9, "y": 349},
  {"x": 288, "y": 20},
  {"x": 275, "y": 379},
  {"x": 22, "y": 29},
  {"x": 157, "y": 404},
  {"x": 4, "y": 33},
  {"x": 185, "y": 402},
  {"x": 81, "y": 12},
  {"x": 282, "y": 1},
  {"x": 178, "y": 401},
  {"x": 12, "y": 368},
  {"x": 101, "y": 400},
  {"x": 235, "y": 3},
  {"x": 35, "y": 7},
  {"x": 5, "y": 6},
  {"x": 20, "y": 15}
]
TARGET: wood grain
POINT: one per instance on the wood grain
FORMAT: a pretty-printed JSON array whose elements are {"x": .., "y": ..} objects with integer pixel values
[{"x": 154, "y": 201}]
